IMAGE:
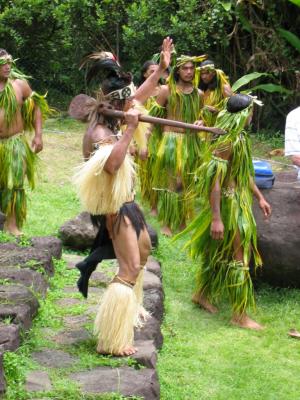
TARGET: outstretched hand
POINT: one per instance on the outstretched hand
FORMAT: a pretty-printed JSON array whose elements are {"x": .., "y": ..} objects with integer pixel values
[{"x": 165, "y": 55}]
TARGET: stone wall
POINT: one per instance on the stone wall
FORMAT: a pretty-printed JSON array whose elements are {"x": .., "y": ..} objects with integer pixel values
[{"x": 24, "y": 273}]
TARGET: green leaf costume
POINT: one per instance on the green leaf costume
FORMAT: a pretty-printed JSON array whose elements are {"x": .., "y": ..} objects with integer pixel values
[
  {"x": 220, "y": 273},
  {"x": 178, "y": 154},
  {"x": 173, "y": 156},
  {"x": 146, "y": 167},
  {"x": 215, "y": 98},
  {"x": 17, "y": 160}
]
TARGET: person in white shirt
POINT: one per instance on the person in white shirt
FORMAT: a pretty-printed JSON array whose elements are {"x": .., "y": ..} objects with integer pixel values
[{"x": 292, "y": 137}]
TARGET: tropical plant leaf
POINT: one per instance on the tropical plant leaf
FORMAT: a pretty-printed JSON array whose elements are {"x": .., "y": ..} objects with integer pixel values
[
  {"x": 290, "y": 37},
  {"x": 297, "y": 2},
  {"x": 244, "y": 80},
  {"x": 226, "y": 5},
  {"x": 272, "y": 88}
]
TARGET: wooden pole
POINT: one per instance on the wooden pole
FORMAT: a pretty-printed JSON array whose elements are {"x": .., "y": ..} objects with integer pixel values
[{"x": 162, "y": 121}]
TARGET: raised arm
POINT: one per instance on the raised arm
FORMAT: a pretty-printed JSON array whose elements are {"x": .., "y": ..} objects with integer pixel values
[{"x": 147, "y": 88}]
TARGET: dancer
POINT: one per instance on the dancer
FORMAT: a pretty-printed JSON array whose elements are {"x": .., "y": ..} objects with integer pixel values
[
  {"x": 215, "y": 87},
  {"x": 223, "y": 235},
  {"x": 105, "y": 184},
  {"x": 179, "y": 151},
  {"x": 21, "y": 110}
]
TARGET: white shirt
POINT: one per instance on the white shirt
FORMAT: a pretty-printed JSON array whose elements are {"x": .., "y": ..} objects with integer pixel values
[{"x": 292, "y": 133}]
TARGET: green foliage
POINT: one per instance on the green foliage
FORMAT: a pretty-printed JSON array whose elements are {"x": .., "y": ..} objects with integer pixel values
[
  {"x": 296, "y": 2},
  {"x": 6, "y": 237},
  {"x": 290, "y": 38},
  {"x": 244, "y": 80},
  {"x": 14, "y": 367},
  {"x": 241, "y": 36},
  {"x": 24, "y": 241},
  {"x": 271, "y": 88}
]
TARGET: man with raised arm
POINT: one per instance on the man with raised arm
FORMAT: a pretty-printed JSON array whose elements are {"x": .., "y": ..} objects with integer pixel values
[
  {"x": 179, "y": 151},
  {"x": 106, "y": 188}
]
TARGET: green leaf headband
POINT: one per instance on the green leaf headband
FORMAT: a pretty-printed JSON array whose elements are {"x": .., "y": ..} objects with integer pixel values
[
  {"x": 6, "y": 59},
  {"x": 209, "y": 67},
  {"x": 185, "y": 59},
  {"x": 121, "y": 94}
]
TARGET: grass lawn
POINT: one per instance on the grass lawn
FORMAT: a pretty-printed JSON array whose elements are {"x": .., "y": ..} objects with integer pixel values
[{"x": 203, "y": 356}]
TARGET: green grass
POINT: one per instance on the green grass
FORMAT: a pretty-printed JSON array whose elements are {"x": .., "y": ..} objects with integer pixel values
[
  {"x": 54, "y": 200},
  {"x": 203, "y": 356}
]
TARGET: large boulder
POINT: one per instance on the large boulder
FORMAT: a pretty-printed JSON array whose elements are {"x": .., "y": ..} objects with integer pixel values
[
  {"x": 279, "y": 237},
  {"x": 78, "y": 233}
]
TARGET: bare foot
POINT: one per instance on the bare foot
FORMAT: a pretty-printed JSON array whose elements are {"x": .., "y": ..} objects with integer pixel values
[
  {"x": 127, "y": 351},
  {"x": 243, "y": 321},
  {"x": 202, "y": 301},
  {"x": 165, "y": 230},
  {"x": 294, "y": 333},
  {"x": 13, "y": 230},
  {"x": 154, "y": 212},
  {"x": 11, "y": 227}
]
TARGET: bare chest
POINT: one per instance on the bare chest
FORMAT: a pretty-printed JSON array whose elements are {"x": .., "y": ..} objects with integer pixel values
[{"x": 6, "y": 108}]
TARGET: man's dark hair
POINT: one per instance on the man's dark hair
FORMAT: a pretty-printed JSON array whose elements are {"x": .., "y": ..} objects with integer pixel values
[
  {"x": 144, "y": 69},
  {"x": 206, "y": 62},
  {"x": 111, "y": 74},
  {"x": 238, "y": 102}
]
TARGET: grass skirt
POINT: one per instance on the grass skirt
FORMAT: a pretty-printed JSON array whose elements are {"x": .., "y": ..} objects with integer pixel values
[
  {"x": 177, "y": 158},
  {"x": 146, "y": 170},
  {"x": 17, "y": 162},
  {"x": 100, "y": 192},
  {"x": 219, "y": 273},
  {"x": 114, "y": 324}
]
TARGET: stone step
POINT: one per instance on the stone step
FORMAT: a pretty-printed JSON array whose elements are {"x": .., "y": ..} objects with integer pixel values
[{"x": 126, "y": 381}]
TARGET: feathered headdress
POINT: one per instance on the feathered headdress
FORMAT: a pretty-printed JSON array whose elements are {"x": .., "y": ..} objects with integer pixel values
[
  {"x": 104, "y": 65},
  {"x": 116, "y": 84}
]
